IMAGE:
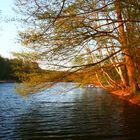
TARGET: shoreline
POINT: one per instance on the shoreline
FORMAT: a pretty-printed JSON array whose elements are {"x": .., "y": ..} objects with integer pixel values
[
  {"x": 127, "y": 96},
  {"x": 7, "y": 81}
]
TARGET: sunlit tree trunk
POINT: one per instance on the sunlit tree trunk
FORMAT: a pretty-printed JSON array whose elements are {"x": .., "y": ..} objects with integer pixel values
[{"x": 126, "y": 49}]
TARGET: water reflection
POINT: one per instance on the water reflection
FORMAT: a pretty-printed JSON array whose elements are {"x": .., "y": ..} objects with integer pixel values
[{"x": 88, "y": 113}]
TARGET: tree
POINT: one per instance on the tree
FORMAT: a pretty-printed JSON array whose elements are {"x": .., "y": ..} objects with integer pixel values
[
  {"x": 129, "y": 50},
  {"x": 60, "y": 31}
]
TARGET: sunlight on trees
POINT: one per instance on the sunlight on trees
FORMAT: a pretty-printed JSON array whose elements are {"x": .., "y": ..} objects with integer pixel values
[{"x": 95, "y": 40}]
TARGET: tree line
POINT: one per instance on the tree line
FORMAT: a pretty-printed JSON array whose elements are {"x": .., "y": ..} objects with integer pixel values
[
  {"x": 6, "y": 72},
  {"x": 9, "y": 68}
]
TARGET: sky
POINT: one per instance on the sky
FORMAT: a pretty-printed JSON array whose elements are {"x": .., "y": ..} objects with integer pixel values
[{"x": 8, "y": 30}]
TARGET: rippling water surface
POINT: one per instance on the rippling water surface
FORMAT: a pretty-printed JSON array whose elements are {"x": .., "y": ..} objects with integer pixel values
[{"x": 88, "y": 113}]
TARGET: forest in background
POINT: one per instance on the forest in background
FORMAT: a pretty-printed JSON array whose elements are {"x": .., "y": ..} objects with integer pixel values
[
  {"x": 9, "y": 69},
  {"x": 6, "y": 70}
]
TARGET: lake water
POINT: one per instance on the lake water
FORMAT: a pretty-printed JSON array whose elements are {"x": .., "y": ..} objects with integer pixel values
[{"x": 81, "y": 113}]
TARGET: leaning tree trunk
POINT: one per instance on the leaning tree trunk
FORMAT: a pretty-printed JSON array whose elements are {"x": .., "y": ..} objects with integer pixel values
[
  {"x": 126, "y": 49},
  {"x": 118, "y": 69}
]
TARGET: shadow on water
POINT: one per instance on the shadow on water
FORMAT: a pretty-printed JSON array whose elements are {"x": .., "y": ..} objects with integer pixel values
[{"x": 88, "y": 113}]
